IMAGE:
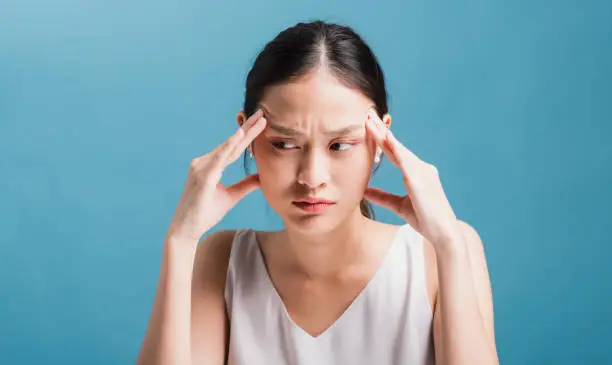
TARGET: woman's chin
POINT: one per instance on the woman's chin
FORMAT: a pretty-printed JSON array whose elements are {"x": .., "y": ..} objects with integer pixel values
[
  {"x": 310, "y": 223},
  {"x": 314, "y": 223}
]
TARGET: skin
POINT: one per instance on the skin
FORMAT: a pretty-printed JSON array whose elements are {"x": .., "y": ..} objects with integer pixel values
[{"x": 331, "y": 255}]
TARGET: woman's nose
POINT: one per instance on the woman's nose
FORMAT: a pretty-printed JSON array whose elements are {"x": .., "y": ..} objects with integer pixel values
[{"x": 313, "y": 170}]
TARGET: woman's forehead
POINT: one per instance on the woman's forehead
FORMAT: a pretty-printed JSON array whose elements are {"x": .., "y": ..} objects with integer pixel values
[
  {"x": 300, "y": 107},
  {"x": 300, "y": 122},
  {"x": 318, "y": 93}
]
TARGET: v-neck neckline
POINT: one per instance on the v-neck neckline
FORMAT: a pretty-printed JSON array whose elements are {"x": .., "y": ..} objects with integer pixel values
[{"x": 383, "y": 264}]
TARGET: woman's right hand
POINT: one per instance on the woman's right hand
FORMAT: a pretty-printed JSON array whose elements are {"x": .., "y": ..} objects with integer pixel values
[{"x": 205, "y": 201}]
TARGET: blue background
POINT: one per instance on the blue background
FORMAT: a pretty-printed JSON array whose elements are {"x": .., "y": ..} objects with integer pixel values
[{"x": 104, "y": 104}]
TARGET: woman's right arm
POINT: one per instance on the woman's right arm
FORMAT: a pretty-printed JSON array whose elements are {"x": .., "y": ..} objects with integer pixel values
[
  {"x": 167, "y": 339},
  {"x": 187, "y": 324},
  {"x": 188, "y": 314}
]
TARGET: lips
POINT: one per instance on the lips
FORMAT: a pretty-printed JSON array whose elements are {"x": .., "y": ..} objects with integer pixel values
[
  {"x": 313, "y": 205},
  {"x": 312, "y": 200}
]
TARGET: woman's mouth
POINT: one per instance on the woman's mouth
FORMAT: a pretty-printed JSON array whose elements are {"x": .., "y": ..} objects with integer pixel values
[{"x": 313, "y": 205}]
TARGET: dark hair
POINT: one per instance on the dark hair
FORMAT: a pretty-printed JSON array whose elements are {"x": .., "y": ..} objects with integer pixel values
[{"x": 305, "y": 47}]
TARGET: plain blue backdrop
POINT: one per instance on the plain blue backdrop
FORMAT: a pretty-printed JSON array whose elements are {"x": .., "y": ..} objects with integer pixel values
[{"x": 103, "y": 104}]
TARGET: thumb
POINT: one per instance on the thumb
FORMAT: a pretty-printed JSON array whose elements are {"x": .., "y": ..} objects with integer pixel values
[
  {"x": 384, "y": 199},
  {"x": 243, "y": 187}
]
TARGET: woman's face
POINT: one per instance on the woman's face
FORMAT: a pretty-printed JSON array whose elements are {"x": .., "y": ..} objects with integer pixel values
[{"x": 314, "y": 145}]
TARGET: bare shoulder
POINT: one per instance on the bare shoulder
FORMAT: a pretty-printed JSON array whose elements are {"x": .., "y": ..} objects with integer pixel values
[
  {"x": 212, "y": 258},
  {"x": 472, "y": 238},
  {"x": 217, "y": 242}
]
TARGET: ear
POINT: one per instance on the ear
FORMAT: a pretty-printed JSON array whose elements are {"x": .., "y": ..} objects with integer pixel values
[
  {"x": 241, "y": 117},
  {"x": 386, "y": 119}
]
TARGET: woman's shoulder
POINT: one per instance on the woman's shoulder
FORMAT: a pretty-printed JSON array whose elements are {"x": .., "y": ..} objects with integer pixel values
[
  {"x": 218, "y": 245},
  {"x": 214, "y": 248},
  {"x": 217, "y": 240}
]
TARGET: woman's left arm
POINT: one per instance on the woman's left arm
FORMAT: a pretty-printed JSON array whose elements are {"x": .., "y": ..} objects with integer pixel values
[{"x": 463, "y": 314}]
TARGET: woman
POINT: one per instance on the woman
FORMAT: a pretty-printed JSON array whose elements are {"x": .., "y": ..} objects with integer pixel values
[{"x": 334, "y": 286}]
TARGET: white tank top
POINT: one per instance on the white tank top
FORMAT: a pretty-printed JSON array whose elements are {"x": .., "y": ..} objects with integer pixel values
[{"x": 390, "y": 321}]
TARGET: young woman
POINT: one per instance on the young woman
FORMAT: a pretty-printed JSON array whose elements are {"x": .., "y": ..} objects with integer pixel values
[{"x": 334, "y": 286}]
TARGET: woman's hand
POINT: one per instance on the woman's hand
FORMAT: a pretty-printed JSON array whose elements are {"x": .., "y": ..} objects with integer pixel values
[
  {"x": 205, "y": 201},
  {"x": 425, "y": 207}
]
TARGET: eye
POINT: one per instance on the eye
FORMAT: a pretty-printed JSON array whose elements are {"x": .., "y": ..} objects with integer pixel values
[
  {"x": 347, "y": 146},
  {"x": 283, "y": 145}
]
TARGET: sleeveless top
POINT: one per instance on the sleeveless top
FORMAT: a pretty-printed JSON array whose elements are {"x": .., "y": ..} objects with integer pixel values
[{"x": 389, "y": 322}]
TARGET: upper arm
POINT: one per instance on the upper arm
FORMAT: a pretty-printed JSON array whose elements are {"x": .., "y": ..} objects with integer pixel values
[
  {"x": 482, "y": 286},
  {"x": 209, "y": 327}
]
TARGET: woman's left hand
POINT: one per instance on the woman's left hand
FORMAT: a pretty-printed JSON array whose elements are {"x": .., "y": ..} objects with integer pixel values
[{"x": 425, "y": 207}]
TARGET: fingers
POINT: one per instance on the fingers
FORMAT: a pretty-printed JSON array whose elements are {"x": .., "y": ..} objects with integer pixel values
[
  {"x": 243, "y": 187},
  {"x": 220, "y": 156},
  {"x": 227, "y": 142},
  {"x": 251, "y": 130},
  {"x": 380, "y": 133},
  {"x": 223, "y": 155},
  {"x": 398, "y": 154}
]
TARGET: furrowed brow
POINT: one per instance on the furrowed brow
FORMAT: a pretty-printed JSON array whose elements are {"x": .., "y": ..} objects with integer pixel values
[
  {"x": 288, "y": 131},
  {"x": 284, "y": 130},
  {"x": 293, "y": 132}
]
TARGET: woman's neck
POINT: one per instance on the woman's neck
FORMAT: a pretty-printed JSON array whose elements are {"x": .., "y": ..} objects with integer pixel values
[{"x": 326, "y": 255}]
